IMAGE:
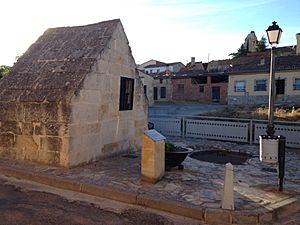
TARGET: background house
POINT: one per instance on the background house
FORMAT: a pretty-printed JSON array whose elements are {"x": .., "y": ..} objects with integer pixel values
[
  {"x": 201, "y": 82},
  {"x": 200, "y": 86},
  {"x": 249, "y": 76},
  {"x": 249, "y": 82},
  {"x": 73, "y": 97},
  {"x": 157, "y": 67},
  {"x": 162, "y": 87},
  {"x": 161, "y": 73}
]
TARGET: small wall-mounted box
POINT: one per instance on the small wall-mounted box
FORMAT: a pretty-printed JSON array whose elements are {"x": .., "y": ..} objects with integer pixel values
[{"x": 268, "y": 148}]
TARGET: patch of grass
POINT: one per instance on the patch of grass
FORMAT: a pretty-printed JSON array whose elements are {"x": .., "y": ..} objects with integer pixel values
[{"x": 286, "y": 113}]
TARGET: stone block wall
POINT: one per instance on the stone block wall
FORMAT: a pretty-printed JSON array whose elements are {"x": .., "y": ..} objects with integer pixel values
[
  {"x": 149, "y": 82},
  {"x": 34, "y": 131},
  {"x": 98, "y": 129}
]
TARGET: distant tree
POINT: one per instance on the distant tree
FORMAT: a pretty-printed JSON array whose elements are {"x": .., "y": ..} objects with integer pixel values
[
  {"x": 4, "y": 70},
  {"x": 242, "y": 51},
  {"x": 262, "y": 44}
]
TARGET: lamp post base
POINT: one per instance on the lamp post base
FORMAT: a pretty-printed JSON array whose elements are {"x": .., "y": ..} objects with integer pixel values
[{"x": 270, "y": 129}]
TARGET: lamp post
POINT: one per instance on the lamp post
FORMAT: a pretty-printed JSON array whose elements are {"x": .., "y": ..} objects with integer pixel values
[
  {"x": 274, "y": 34},
  {"x": 275, "y": 145}
]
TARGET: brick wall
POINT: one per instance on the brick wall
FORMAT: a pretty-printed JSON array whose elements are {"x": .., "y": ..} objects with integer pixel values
[{"x": 192, "y": 92}]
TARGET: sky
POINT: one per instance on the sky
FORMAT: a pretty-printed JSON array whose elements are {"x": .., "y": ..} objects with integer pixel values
[{"x": 165, "y": 30}]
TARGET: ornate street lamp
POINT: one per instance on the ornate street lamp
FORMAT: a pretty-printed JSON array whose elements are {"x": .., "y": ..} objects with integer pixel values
[
  {"x": 272, "y": 147},
  {"x": 274, "y": 34}
]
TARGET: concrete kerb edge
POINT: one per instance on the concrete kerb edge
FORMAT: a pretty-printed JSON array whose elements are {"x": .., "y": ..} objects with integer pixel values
[
  {"x": 288, "y": 209},
  {"x": 209, "y": 215},
  {"x": 194, "y": 212}
]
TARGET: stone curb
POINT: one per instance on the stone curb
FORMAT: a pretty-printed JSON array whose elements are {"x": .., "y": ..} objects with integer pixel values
[{"x": 208, "y": 215}]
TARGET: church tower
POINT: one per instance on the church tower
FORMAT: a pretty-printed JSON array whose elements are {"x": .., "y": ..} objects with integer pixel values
[{"x": 250, "y": 42}]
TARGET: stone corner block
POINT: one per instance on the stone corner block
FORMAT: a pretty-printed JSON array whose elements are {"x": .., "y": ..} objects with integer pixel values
[
  {"x": 218, "y": 216},
  {"x": 245, "y": 217}
]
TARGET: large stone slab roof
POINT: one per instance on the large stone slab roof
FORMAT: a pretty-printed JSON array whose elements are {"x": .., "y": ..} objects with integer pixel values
[{"x": 55, "y": 66}]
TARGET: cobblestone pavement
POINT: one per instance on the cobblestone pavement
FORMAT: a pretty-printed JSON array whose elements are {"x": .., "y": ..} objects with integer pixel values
[{"x": 199, "y": 183}]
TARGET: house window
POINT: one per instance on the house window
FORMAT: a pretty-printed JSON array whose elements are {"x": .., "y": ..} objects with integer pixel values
[
  {"x": 154, "y": 93},
  {"x": 201, "y": 89},
  {"x": 260, "y": 85},
  {"x": 180, "y": 88},
  {"x": 297, "y": 84},
  {"x": 240, "y": 86},
  {"x": 163, "y": 92},
  {"x": 160, "y": 81},
  {"x": 126, "y": 93},
  {"x": 145, "y": 89}
]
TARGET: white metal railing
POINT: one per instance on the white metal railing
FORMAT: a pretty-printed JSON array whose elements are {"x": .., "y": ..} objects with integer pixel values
[
  {"x": 169, "y": 126},
  {"x": 221, "y": 128},
  {"x": 292, "y": 133}
]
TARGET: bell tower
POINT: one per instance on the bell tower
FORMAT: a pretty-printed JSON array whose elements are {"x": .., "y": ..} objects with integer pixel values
[{"x": 250, "y": 42}]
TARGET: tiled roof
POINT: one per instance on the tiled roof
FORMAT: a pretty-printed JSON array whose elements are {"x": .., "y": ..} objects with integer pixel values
[
  {"x": 55, "y": 66},
  {"x": 279, "y": 51},
  {"x": 159, "y": 64},
  {"x": 174, "y": 63},
  {"x": 258, "y": 64},
  {"x": 186, "y": 73}
]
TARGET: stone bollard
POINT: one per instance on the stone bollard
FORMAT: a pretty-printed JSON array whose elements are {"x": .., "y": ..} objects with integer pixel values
[
  {"x": 228, "y": 194},
  {"x": 153, "y": 156}
]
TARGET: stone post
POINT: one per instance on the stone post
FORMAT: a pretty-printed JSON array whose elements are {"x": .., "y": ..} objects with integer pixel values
[
  {"x": 228, "y": 194},
  {"x": 153, "y": 156}
]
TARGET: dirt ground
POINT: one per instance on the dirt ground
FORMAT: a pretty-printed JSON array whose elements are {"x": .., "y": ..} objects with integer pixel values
[{"x": 18, "y": 206}]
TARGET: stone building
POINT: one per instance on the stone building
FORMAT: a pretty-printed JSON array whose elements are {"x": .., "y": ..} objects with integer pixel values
[
  {"x": 74, "y": 96},
  {"x": 251, "y": 42}
]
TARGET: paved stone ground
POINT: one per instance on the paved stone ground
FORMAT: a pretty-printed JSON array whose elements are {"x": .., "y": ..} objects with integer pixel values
[{"x": 199, "y": 184}]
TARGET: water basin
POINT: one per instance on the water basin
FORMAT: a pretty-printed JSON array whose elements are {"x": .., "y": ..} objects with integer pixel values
[{"x": 221, "y": 156}]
